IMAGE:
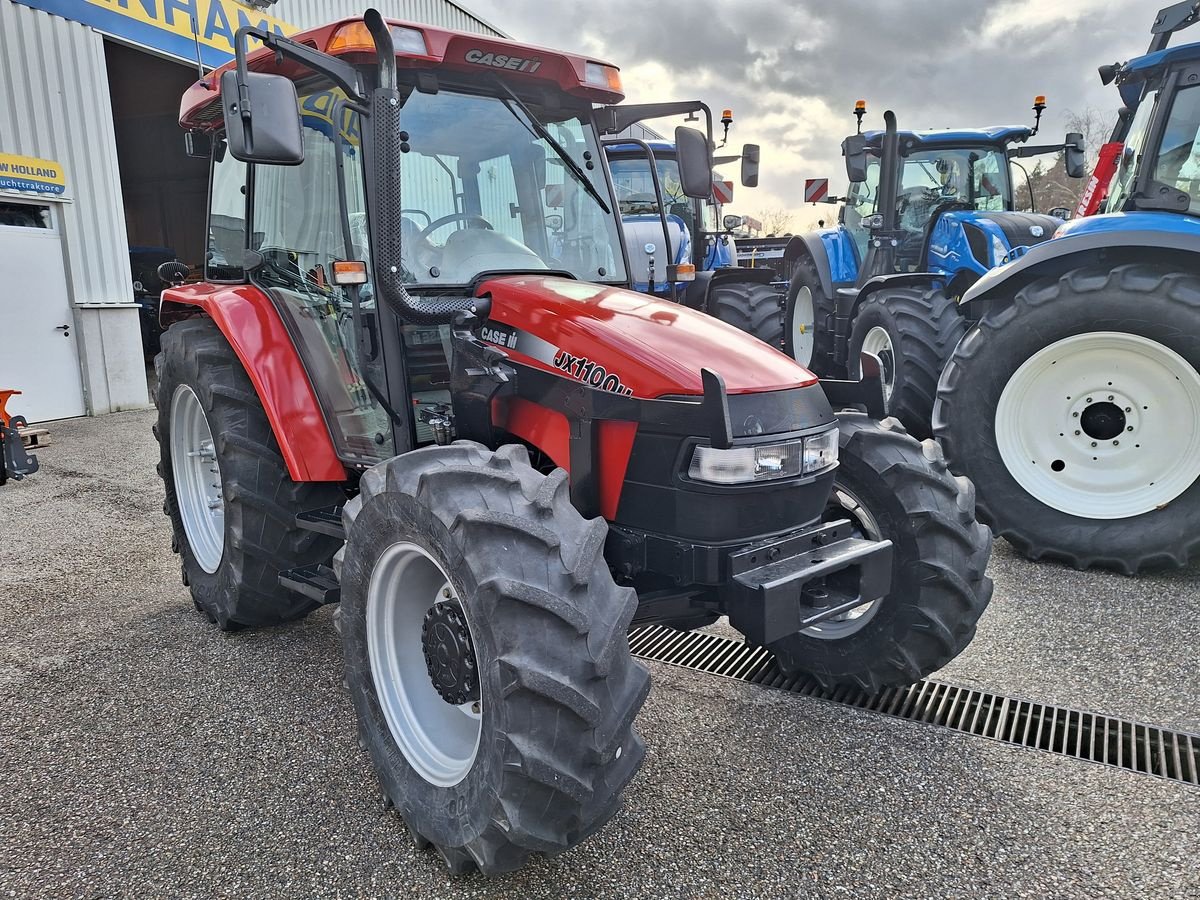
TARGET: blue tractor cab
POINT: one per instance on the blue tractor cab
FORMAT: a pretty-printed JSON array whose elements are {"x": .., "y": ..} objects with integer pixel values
[
  {"x": 926, "y": 215},
  {"x": 1074, "y": 402},
  {"x": 679, "y": 245}
]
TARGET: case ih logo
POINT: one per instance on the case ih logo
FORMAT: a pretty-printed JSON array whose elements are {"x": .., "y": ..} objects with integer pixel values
[{"x": 501, "y": 61}]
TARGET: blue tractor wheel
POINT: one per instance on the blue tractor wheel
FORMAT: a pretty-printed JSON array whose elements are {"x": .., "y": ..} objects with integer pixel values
[{"x": 1075, "y": 409}]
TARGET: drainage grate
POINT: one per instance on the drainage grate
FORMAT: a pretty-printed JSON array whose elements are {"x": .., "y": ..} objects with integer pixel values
[{"x": 1133, "y": 746}]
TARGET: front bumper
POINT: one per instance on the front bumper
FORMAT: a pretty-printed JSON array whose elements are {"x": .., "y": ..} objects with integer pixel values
[{"x": 788, "y": 585}]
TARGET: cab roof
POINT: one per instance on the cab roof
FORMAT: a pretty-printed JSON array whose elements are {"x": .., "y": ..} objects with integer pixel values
[
  {"x": 663, "y": 147},
  {"x": 460, "y": 52},
  {"x": 955, "y": 137}
]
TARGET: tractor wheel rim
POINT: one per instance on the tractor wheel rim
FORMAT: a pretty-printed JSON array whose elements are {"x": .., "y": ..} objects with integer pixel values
[
  {"x": 879, "y": 343},
  {"x": 803, "y": 325},
  {"x": 845, "y": 505},
  {"x": 1102, "y": 425},
  {"x": 439, "y": 740},
  {"x": 197, "y": 477}
]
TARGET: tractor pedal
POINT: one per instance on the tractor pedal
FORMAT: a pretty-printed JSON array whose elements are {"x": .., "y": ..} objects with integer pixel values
[
  {"x": 317, "y": 583},
  {"x": 326, "y": 520}
]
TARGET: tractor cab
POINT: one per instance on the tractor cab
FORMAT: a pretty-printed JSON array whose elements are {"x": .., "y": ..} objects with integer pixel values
[{"x": 955, "y": 206}]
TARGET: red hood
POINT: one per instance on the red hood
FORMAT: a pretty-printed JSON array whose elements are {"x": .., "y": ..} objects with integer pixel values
[{"x": 628, "y": 342}]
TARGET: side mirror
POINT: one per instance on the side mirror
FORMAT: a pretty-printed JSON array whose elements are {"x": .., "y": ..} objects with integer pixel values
[
  {"x": 854, "y": 148},
  {"x": 269, "y": 131},
  {"x": 750, "y": 156},
  {"x": 695, "y": 162},
  {"x": 1076, "y": 162},
  {"x": 173, "y": 272},
  {"x": 732, "y": 222},
  {"x": 1061, "y": 212},
  {"x": 198, "y": 144}
]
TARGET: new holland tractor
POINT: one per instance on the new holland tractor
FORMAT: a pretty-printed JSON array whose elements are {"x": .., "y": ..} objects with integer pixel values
[
  {"x": 1074, "y": 404},
  {"x": 413, "y": 382},
  {"x": 681, "y": 247},
  {"x": 926, "y": 215}
]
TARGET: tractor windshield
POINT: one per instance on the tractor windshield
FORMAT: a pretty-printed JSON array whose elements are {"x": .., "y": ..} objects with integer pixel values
[
  {"x": 1178, "y": 162},
  {"x": 484, "y": 191},
  {"x": 635, "y": 186}
]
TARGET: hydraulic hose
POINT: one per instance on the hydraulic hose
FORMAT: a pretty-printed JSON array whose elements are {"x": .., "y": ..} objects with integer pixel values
[{"x": 388, "y": 141}]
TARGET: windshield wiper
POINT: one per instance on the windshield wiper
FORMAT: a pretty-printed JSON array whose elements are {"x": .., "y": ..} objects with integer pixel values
[{"x": 537, "y": 129}]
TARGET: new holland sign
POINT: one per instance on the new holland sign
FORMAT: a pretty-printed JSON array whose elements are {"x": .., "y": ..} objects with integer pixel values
[
  {"x": 26, "y": 173},
  {"x": 166, "y": 25}
]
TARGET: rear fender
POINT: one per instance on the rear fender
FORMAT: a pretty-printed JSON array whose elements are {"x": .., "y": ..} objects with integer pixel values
[
  {"x": 832, "y": 253},
  {"x": 249, "y": 321},
  {"x": 1108, "y": 247}
]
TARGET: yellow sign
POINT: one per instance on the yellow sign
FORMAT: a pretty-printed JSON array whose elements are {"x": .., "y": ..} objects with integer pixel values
[
  {"x": 166, "y": 25},
  {"x": 28, "y": 173}
]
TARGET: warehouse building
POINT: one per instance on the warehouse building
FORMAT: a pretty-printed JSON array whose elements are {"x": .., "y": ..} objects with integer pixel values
[{"x": 95, "y": 187}]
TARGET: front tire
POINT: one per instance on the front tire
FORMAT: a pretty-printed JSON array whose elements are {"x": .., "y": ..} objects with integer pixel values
[
  {"x": 496, "y": 558},
  {"x": 913, "y": 331},
  {"x": 1075, "y": 409},
  {"x": 891, "y": 487},
  {"x": 808, "y": 318},
  {"x": 230, "y": 499},
  {"x": 749, "y": 306}
]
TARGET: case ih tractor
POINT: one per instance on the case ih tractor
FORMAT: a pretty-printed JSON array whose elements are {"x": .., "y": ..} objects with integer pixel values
[
  {"x": 676, "y": 247},
  {"x": 1074, "y": 404},
  {"x": 413, "y": 382},
  {"x": 927, "y": 214}
]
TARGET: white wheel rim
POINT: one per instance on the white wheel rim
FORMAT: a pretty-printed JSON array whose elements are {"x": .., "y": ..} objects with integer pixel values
[
  {"x": 1102, "y": 425},
  {"x": 878, "y": 343},
  {"x": 439, "y": 740},
  {"x": 804, "y": 319},
  {"x": 197, "y": 477},
  {"x": 845, "y": 505}
]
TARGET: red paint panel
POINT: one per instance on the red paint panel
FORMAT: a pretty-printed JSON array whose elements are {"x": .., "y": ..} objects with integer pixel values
[
  {"x": 253, "y": 328},
  {"x": 654, "y": 347}
]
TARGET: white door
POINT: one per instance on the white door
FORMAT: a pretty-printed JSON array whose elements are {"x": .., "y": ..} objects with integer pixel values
[{"x": 38, "y": 351}]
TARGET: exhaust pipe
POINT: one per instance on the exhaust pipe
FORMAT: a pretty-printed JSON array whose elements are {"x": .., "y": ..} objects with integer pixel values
[{"x": 385, "y": 116}]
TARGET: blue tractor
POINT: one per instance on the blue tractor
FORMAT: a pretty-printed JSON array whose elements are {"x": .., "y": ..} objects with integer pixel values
[
  {"x": 1074, "y": 402},
  {"x": 679, "y": 244},
  {"x": 926, "y": 215}
]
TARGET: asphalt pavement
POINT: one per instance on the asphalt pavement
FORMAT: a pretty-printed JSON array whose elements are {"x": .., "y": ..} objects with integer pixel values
[{"x": 145, "y": 753}]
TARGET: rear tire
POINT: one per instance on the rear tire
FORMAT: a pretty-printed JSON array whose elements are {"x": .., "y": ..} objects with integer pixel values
[
  {"x": 749, "y": 306},
  {"x": 889, "y": 483},
  {"x": 233, "y": 570},
  {"x": 808, "y": 319},
  {"x": 557, "y": 686},
  {"x": 917, "y": 330},
  {"x": 1123, "y": 495}
]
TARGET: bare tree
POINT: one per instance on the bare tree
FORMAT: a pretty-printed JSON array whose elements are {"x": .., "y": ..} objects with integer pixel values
[
  {"x": 775, "y": 221},
  {"x": 1095, "y": 125}
]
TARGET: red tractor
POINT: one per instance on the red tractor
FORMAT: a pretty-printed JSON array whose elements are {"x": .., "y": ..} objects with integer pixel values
[{"x": 413, "y": 382}]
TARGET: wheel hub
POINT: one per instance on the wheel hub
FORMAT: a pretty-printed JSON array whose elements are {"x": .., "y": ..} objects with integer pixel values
[
  {"x": 1102, "y": 421},
  {"x": 449, "y": 654}
]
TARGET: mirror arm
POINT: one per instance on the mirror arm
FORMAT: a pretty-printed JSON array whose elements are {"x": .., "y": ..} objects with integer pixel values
[{"x": 342, "y": 74}]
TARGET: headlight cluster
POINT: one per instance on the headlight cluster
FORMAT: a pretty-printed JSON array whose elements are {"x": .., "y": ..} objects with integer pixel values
[{"x": 765, "y": 462}]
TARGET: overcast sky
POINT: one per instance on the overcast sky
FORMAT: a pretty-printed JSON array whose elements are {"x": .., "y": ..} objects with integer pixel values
[{"x": 792, "y": 69}]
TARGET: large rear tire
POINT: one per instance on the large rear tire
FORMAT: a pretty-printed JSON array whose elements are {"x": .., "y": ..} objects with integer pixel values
[
  {"x": 229, "y": 497},
  {"x": 1075, "y": 409},
  {"x": 893, "y": 488},
  {"x": 913, "y": 331},
  {"x": 808, "y": 318},
  {"x": 480, "y": 545},
  {"x": 749, "y": 306}
]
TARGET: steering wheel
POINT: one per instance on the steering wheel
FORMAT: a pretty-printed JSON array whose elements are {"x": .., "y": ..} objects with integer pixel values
[{"x": 456, "y": 217}]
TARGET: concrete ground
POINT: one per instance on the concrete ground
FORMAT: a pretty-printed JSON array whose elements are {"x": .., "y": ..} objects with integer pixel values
[{"x": 143, "y": 752}]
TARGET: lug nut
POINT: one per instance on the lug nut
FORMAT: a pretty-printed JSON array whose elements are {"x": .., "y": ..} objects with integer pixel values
[
  {"x": 1093, "y": 443},
  {"x": 1089, "y": 399},
  {"x": 1077, "y": 431},
  {"x": 1110, "y": 396},
  {"x": 1115, "y": 443},
  {"x": 1075, "y": 415},
  {"x": 1129, "y": 428}
]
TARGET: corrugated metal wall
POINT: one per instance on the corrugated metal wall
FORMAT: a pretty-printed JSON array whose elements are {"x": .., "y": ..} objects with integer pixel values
[
  {"x": 54, "y": 105},
  {"x": 310, "y": 13}
]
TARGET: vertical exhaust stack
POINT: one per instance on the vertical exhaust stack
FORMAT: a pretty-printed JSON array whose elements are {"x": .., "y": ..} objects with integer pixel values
[
  {"x": 389, "y": 144},
  {"x": 881, "y": 253}
]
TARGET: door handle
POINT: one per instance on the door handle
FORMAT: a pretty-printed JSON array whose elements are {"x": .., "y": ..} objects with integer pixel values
[{"x": 65, "y": 329}]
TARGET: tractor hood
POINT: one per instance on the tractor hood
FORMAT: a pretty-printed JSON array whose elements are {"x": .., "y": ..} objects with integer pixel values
[{"x": 629, "y": 343}]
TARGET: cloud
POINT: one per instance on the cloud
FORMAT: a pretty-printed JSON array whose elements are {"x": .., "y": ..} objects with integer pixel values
[{"x": 792, "y": 69}]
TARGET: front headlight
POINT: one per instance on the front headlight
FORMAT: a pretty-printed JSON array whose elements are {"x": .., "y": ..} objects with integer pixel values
[{"x": 765, "y": 462}]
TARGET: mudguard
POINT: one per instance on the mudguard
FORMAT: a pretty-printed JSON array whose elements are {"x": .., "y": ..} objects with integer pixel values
[
  {"x": 249, "y": 321},
  {"x": 1108, "y": 240}
]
